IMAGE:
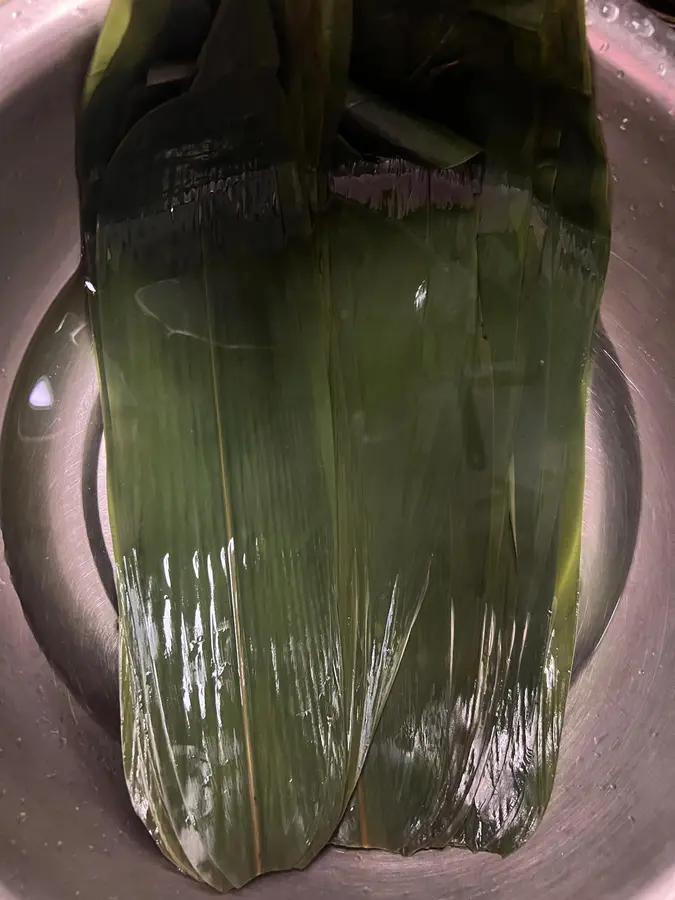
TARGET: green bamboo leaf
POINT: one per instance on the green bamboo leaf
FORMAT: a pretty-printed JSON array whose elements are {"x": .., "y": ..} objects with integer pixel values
[
  {"x": 466, "y": 750},
  {"x": 400, "y": 50},
  {"x": 128, "y": 33},
  {"x": 437, "y": 717},
  {"x": 249, "y": 603},
  {"x": 574, "y": 260},
  {"x": 446, "y": 226},
  {"x": 226, "y": 588},
  {"x": 343, "y": 419},
  {"x": 220, "y": 508},
  {"x": 315, "y": 42},
  {"x": 384, "y": 279},
  {"x": 124, "y": 82}
]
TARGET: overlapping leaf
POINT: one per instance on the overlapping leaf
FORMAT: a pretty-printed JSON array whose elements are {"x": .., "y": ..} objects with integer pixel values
[
  {"x": 343, "y": 387},
  {"x": 466, "y": 750},
  {"x": 266, "y": 490}
]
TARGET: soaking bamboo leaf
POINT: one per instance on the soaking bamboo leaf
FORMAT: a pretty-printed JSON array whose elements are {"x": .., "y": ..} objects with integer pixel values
[
  {"x": 315, "y": 42},
  {"x": 342, "y": 380},
  {"x": 550, "y": 471},
  {"x": 226, "y": 585},
  {"x": 248, "y": 603},
  {"x": 109, "y": 105},
  {"x": 385, "y": 271},
  {"x": 224, "y": 545},
  {"x": 445, "y": 225},
  {"x": 139, "y": 44},
  {"x": 466, "y": 750},
  {"x": 470, "y": 599}
]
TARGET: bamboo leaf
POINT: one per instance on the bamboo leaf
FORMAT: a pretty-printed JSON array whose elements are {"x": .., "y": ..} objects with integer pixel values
[
  {"x": 466, "y": 750},
  {"x": 249, "y": 606},
  {"x": 446, "y": 224},
  {"x": 226, "y": 585},
  {"x": 223, "y": 537},
  {"x": 343, "y": 414},
  {"x": 120, "y": 87},
  {"x": 383, "y": 281},
  {"x": 315, "y": 41}
]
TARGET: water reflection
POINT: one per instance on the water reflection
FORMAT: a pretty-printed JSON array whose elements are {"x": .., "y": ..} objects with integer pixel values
[
  {"x": 42, "y": 395},
  {"x": 52, "y": 367},
  {"x": 51, "y": 519}
]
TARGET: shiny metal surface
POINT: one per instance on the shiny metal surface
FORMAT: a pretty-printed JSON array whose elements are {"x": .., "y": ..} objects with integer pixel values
[{"x": 66, "y": 827}]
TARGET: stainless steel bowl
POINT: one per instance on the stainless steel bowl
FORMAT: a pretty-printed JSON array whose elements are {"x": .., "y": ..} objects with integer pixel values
[{"x": 66, "y": 826}]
